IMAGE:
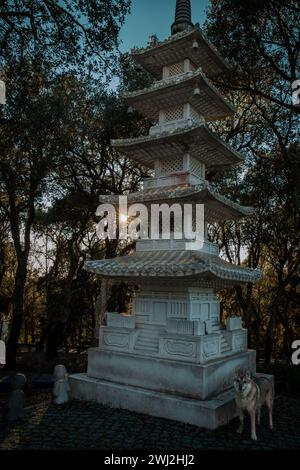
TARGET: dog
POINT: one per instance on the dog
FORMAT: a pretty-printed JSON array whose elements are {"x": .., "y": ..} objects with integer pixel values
[{"x": 251, "y": 394}]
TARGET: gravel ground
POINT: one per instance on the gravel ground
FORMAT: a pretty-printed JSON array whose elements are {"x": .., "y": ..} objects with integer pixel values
[{"x": 82, "y": 425}]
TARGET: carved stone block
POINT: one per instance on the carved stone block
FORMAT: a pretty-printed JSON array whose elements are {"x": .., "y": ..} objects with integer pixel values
[
  {"x": 237, "y": 339},
  {"x": 115, "y": 339},
  {"x": 234, "y": 323},
  {"x": 120, "y": 321},
  {"x": 210, "y": 348}
]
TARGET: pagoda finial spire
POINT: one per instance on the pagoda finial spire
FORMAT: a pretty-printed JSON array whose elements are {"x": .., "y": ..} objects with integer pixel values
[{"x": 183, "y": 16}]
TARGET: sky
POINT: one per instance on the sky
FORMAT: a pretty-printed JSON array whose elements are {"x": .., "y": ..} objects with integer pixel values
[{"x": 150, "y": 17}]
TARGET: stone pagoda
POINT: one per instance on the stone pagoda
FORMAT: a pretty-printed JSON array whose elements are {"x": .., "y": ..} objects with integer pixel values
[{"x": 171, "y": 357}]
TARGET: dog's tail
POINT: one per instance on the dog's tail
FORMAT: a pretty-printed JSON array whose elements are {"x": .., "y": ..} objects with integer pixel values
[{"x": 271, "y": 382}]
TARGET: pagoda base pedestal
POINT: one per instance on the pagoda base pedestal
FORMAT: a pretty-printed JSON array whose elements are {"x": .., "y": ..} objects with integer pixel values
[
  {"x": 190, "y": 380},
  {"x": 209, "y": 414},
  {"x": 198, "y": 394}
]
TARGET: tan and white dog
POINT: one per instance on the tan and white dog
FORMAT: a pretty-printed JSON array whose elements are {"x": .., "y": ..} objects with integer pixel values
[{"x": 251, "y": 394}]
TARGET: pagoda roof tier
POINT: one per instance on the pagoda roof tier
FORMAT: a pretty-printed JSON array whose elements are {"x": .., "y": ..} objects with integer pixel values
[
  {"x": 217, "y": 207},
  {"x": 179, "y": 47},
  {"x": 178, "y": 90},
  {"x": 172, "y": 264},
  {"x": 197, "y": 140}
]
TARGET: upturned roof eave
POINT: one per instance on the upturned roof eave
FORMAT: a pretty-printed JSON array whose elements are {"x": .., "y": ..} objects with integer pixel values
[
  {"x": 172, "y": 264},
  {"x": 129, "y": 145},
  {"x": 177, "y": 82},
  {"x": 230, "y": 210},
  {"x": 196, "y": 33}
]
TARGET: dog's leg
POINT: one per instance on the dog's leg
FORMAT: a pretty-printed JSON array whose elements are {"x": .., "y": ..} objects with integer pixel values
[
  {"x": 241, "y": 427},
  {"x": 269, "y": 402},
  {"x": 253, "y": 424},
  {"x": 258, "y": 415}
]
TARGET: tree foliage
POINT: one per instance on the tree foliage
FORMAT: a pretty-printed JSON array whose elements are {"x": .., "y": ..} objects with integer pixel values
[{"x": 65, "y": 33}]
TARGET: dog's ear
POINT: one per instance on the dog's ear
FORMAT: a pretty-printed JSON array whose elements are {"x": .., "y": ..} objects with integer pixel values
[{"x": 248, "y": 374}]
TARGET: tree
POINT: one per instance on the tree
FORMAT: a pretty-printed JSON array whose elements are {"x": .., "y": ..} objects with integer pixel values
[
  {"x": 66, "y": 33},
  {"x": 88, "y": 168},
  {"x": 40, "y": 41},
  {"x": 261, "y": 40},
  {"x": 28, "y": 149}
]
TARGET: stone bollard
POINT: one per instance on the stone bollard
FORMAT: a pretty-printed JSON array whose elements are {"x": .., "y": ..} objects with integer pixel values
[
  {"x": 61, "y": 385},
  {"x": 16, "y": 398}
]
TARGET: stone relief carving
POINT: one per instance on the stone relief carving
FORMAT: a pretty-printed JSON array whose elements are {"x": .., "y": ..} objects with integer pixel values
[
  {"x": 180, "y": 348},
  {"x": 211, "y": 348},
  {"x": 240, "y": 341},
  {"x": 117, "y": 340}
]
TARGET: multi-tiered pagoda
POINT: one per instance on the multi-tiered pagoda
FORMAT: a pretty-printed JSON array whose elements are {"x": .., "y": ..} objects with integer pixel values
[{"x": 171, "y": 357}]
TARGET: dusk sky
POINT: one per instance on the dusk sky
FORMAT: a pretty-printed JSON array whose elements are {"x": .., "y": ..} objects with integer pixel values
[{"x": 154, "y": 17}]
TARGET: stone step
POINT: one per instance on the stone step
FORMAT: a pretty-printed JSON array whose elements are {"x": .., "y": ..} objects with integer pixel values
[
  {"x": 143, "y": 339},
  {"x": 151, "y": 330},
  {"x": 146, "y": 332},
  {"x": 216, "y": 327},
  {"x": 148, "y": 340},
  {"x": 147, "y": 328},
  {"x": 143, "y": 347},
  {"x": 224, "y": 345},
  {"x": 223, "y": 341}
]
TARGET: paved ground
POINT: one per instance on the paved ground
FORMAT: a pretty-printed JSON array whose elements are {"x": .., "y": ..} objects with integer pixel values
[{"x": 79, "y": 425}]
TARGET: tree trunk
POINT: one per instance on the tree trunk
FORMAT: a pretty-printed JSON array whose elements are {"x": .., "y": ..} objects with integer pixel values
[
  {"x": 53, "y": 340},
  {"x": 41, "y": 344},
  {"x": 270, "y": 338},
  {"x": 17, "y": 317},
  {"x": 247, "y": 308}
]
